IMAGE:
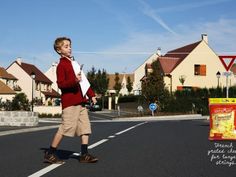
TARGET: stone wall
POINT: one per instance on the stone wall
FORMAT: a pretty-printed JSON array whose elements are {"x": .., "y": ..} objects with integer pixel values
[
  {"x": 48, "y": 109},
  {"x": 18, "y": 118}
]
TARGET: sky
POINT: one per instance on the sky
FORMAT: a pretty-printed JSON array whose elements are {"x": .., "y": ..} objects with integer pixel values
[{"x": 115, "y": 35}]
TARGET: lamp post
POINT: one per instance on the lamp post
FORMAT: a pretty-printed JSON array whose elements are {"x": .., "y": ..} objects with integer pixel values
[
  {"x": 218, "y": 78},
  {"x": 32, "y": 102}
]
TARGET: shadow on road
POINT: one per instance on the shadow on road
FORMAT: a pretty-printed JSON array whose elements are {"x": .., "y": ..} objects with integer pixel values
[{"x": 63, "y": 154}]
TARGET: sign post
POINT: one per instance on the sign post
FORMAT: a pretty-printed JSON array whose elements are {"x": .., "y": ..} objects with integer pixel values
[
  {"x": 153, "y": 107},
  {"x": 227, "y": 74}
]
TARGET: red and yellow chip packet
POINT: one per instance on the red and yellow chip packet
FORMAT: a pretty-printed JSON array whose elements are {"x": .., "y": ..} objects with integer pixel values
[{"x": 222, "y": 118}]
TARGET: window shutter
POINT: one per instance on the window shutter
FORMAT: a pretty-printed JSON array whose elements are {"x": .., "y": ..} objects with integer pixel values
[{"x": 203, "y": 70}]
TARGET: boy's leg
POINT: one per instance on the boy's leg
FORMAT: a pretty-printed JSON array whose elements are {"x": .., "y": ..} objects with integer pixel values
[
  {"x": 50, "y": 155},
  {"x": 85, "y": 156},
  {"x": 84, "y": 130},
  {"x": 55, "y": 143},
  {"x": 56, "y": 140},
  {"x": 84, "y": 144}
]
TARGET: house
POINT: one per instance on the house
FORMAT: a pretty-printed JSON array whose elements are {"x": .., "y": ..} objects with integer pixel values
[
  {"x": 123, "y": 79},
  {"x": 6, "y": 93},
  {"x": 193, "y": 65},
  {"x": 33, "y": 82},
  {"x": 8, "y": 85},
  {"x": 51, "y": 73},
  {"x": 139, "y": 72}
]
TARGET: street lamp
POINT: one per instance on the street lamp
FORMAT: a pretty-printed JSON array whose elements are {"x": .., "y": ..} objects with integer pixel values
[
  {"x": 218, "y": 78},
  {"x": 32, "y": 102}
]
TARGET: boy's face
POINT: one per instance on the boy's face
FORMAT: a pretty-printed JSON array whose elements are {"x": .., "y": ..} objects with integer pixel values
[{"x": 65, "y": 49}]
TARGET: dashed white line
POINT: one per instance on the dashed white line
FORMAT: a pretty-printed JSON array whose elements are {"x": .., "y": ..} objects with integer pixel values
[
  {"x": 112, "y": 136},
  {"x": 97, "y": 143},
  {"x": 45, "y": 170},
  {"x": 123, "y": 131}
]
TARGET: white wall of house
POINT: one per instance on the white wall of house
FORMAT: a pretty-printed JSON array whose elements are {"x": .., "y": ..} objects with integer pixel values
[
  {"x": 202, "y": 55},
  {"x": 52, "y": 75},
  {"x": 140, "y": 72},
  {"x": 124, "y": 90},
  {"x": 24, "y": 80},
  {"x": 5, "y": 97}
]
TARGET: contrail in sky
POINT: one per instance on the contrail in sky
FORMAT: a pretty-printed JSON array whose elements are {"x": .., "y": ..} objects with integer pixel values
[{"x": 150, "y": 12}]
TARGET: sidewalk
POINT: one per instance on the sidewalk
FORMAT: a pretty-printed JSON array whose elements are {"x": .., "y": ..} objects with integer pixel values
[{"x": 8, "y": 130}]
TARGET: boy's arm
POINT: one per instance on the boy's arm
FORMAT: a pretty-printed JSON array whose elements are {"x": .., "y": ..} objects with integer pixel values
[
  {"x": 64, "y": 83},
  {"x": 91, "y": 95}
]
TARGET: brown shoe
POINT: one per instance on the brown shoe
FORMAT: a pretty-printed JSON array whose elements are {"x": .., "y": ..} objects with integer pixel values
[
  {"x": 88, "y": 158},
  {"x": 52, "y": 158}
]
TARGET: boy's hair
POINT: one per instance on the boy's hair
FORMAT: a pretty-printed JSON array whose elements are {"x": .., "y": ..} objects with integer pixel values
[{"x": 59, "y": 42}]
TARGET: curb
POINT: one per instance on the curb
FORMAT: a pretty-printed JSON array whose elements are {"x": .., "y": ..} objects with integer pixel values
[{"x": 164, "y": 118}]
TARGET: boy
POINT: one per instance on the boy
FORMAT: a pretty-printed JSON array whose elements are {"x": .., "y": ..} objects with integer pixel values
[{"x": 75, "y": 121}]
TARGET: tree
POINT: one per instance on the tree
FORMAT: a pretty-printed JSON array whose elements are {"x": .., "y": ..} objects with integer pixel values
[
  {"x": 129, "y": 85},
  {"x": 117, "y": 85},
  {"x": 153, "y": 87},
  {"x": 101, "y": 82},
  {"x": 91, "y": 75},
  {"x": 182, "y": 79},
  {"x": 20, "y": 102},
  {"x": 98, "y": 80}
]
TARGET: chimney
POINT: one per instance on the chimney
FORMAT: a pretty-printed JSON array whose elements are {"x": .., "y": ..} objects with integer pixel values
[
  {"x": 19, "y": 60},
  {"x": 158, "y": 51},
  {"x": 205, "y": 38}
]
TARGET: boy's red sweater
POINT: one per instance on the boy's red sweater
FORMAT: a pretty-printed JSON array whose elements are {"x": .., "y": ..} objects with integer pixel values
[{"x": 71, "y": 94}]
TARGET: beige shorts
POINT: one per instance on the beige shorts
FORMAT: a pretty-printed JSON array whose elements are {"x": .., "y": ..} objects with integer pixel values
[{"x": 75, "y": 121}]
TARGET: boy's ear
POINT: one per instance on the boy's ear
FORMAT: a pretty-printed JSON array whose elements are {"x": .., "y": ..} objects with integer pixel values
[{"x": 58, "y": 51}]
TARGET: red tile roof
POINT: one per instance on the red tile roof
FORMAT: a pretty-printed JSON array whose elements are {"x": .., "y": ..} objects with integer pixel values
[
  {"x": 5, "y": 75},
  {"x": 4, "y": 89},
  {"x": 39, "y": 76},
  {"x": 52, "y": 94},
  {"x": 111, "y": 78},
  {"x": 182, "y": 52},
  {"x": 168, "y": 64},
  {"x": 174, "y": 57}
]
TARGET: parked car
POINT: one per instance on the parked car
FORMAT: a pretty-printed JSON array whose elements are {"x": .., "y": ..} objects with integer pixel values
[{"x": 93, "y": 107}]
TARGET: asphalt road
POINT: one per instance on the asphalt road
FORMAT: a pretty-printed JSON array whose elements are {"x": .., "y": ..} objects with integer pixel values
[{"x": 125, "y": 149}]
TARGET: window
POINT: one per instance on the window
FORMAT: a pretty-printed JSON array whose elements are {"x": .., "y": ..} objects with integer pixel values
[
  {"x": 200, "y": 70},
  {"x": 37, "y": 86}
]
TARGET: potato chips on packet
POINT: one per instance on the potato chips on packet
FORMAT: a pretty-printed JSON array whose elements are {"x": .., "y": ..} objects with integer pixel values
[{"x": 222, "y": 118}]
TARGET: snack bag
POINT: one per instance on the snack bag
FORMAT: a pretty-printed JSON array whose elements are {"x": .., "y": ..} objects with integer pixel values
[{"x": 222, "y": 118}]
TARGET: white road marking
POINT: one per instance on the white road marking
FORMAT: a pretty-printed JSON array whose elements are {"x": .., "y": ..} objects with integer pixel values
[
  {"x": 97, "y": 143},
  {"x": 111, "y": 136},
  {"x": 45, "y": 170},
  {"x": 76, "y": 154},
  {"x": 123, "y": 131},
  {"x": 53, "y": 166}
]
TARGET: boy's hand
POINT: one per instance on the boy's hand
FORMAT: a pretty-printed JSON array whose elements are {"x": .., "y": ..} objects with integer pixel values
[
  {"x": 78, "y": 77},
  {"x": 94, "y": 100}
]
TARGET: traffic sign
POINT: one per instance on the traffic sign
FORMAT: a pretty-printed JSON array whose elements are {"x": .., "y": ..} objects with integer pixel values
[
  {"x": 153, "y": 106},
  {"x": 227, "y": 61},
  {"x": 227, "y": 74}
]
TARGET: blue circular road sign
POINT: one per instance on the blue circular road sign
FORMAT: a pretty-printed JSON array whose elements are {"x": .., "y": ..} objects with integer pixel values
[{"x": 153, "y": 106}]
